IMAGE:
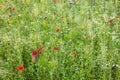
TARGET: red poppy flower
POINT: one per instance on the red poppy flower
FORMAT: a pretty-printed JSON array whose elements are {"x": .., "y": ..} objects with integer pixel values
[
  {"x": 41, "y": 47},
  {"x": 55, "y": 48},
  {"x": 21, "y": 68},
  {"x": 16, "y": 69},
  {"x": 118, "y": 17},
  {"x": 111, "y": 20},
  {"x": 74, "y": 54},
  {"x": 34, "y": 52},
  {"x": 57, "y": 29}
]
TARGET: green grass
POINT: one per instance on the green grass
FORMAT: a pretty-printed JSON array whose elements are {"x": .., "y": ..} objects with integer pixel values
[{"x": 84, "y": 29}]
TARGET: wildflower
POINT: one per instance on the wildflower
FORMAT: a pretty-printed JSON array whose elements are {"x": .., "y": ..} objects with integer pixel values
[
  {"x": 111, "y": 20},
  {"x": 74, "y": 54},
  {"x": 41, "y": 47},
  {"x": 21, "y": 68},
  {"x": 16, "y": 69},
  {"x": 55, "y": 48},
  {"x": 57, "y": 29},
  {"x": 34, "y": 52},
  {"x": 33, "y": 58}
]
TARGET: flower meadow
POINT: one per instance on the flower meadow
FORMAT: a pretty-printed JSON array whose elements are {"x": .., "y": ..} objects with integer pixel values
[{"x": 59, "y": 39}]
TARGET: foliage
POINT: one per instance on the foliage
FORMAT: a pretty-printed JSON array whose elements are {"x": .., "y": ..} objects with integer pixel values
[{"x": 80, "y": 39}]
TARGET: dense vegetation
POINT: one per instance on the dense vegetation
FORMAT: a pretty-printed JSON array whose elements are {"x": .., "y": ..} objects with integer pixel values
[{"x": 59, "y": 40}]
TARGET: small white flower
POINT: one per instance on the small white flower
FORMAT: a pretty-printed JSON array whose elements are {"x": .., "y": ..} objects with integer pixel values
[
  {"x": 114, "y": 37},
  {"x": 25, "y": 26},
  {"x": 19, "y": 14}
]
